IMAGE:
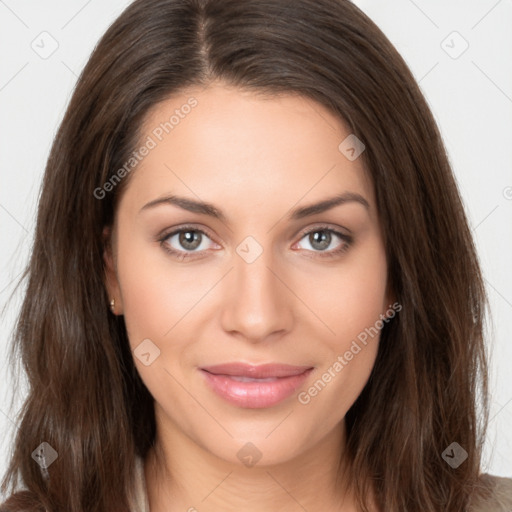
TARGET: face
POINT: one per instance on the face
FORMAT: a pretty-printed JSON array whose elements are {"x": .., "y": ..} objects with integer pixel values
[{"x": 255, "y": 278}]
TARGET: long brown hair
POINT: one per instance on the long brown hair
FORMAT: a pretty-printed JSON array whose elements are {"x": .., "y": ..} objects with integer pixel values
[{"x": 428, "y": 387}]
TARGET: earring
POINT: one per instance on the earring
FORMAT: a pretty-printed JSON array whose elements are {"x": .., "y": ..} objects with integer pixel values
[{"x": 112, "y": 305}]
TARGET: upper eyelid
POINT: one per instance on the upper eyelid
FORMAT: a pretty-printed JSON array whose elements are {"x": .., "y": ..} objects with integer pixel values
[
  {"x": 323, "y": 227},
  {"x": 174, "y": 231}
]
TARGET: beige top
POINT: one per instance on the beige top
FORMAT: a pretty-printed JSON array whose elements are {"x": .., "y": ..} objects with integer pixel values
[
  {"x": 501, "y": 500},
  {"x": 140, "y": 503}
]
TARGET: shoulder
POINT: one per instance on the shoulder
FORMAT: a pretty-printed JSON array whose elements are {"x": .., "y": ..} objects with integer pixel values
[{"x": 496, "y": 495}]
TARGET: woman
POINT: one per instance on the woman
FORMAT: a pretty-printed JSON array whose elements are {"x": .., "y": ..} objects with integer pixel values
[{"x": 190, "y": 342}]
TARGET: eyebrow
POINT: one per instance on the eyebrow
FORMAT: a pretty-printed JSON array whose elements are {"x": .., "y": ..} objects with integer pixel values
[{"x": 206, "y": 208}]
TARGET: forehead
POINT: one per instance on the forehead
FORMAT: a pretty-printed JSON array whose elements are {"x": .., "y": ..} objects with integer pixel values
[{"x": 233, "y": 146}]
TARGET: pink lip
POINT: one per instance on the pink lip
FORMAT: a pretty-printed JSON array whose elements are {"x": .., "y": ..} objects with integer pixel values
[{"x": 281, "y": 381}]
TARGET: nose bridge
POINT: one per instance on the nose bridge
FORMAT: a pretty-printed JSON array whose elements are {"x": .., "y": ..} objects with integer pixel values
[{"x": 258, "y": 303}]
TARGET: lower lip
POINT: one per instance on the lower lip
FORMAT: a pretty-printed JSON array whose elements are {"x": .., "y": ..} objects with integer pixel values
[{"x": 255, "y": 395}]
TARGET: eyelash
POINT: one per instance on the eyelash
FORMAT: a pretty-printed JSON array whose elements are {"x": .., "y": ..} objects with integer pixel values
[{"x": 184, "y": 255}]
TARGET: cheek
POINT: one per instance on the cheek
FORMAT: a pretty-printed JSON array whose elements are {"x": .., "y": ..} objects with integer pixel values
[
  {"x": 347, "y": 362},
  {"x": 355, "y": 301},
  {"x": 154, "y": 298},
  {"x": 155, "y": 304},
  {"x": 141, "y": 293},
  {"x": 353, "y": 296}
]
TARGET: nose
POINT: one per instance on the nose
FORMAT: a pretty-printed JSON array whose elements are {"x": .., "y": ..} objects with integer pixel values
[{"x": 258, "y": 303}]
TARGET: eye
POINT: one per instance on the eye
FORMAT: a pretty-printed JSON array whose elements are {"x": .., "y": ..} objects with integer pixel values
[
  {"x": 185, "y": 241},
  {"x": 321, "y": 238}
]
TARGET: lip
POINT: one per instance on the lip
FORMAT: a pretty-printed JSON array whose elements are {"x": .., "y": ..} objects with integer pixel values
[{"x": 269, "y": 384}]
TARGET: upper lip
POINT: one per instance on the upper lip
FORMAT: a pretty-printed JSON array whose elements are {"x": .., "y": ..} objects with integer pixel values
[{"x": 238, "y": 369}]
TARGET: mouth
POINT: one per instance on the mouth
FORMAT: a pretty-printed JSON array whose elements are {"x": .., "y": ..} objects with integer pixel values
[{"x": 255, "y": 387}]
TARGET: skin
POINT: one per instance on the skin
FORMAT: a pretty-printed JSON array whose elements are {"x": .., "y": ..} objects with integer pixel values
[{"x": 255, "y": 158}]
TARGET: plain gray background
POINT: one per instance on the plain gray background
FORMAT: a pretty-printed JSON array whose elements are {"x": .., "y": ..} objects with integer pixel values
[{"x": 459, "y": 51}]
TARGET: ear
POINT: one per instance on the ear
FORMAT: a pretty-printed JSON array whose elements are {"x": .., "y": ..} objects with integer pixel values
[{"x": 111, "y": 280}]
